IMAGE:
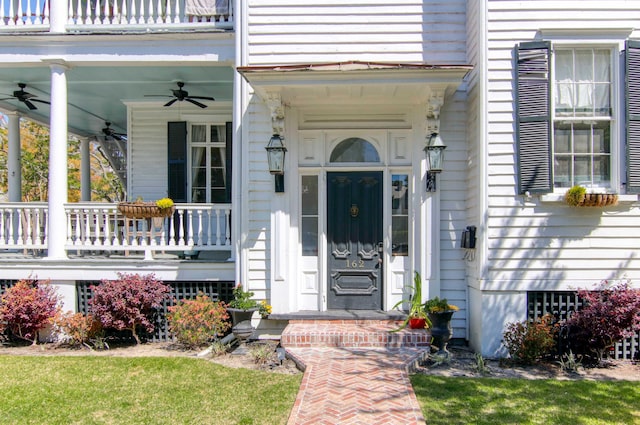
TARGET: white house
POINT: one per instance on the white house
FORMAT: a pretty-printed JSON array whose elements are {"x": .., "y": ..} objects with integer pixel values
[{"x": 529, "y": 98}]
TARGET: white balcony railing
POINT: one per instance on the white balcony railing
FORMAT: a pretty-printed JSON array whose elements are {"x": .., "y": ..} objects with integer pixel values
[
  {"x": 34, "y": 15},
  {"x": 99, "y": 227}
]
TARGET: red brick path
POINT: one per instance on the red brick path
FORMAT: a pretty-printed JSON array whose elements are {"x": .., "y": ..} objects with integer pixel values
[{"x": 354, "y": 385}]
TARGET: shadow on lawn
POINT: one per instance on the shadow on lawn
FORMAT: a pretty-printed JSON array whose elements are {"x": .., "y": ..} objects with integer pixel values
[{"x": 509, "y": 401}]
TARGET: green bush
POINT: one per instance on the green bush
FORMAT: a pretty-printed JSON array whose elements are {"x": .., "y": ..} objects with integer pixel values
[
  {"x": 529, "y": 341},
  {"x": 194, "y": 323}
]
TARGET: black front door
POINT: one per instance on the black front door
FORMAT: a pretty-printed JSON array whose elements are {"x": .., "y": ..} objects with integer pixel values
[{"x": 354, "y": 231}]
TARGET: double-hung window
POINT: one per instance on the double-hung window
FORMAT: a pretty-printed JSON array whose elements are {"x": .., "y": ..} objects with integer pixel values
[
  {"x": 570, "y": 127},
  {"x": 582, "y": 117}
]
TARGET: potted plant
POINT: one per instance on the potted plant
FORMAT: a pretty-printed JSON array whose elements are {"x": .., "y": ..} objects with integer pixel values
[
  {"x": 439, "y": 312},
  {"x": 575, "y": 196},
  {"x": 417, "y": 316},
  {"x": 241, "y": 308},
  {"x": 163, "y": 207}
]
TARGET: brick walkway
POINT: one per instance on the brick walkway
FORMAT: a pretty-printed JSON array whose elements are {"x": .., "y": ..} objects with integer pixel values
[{"x": 354, "y": 385}]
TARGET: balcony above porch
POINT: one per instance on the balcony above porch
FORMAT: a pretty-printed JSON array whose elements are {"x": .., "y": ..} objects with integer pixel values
[{"x": 81, "y": 16}]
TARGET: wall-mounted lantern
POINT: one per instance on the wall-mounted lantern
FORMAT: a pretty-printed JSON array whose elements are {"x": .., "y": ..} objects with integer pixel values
[
  {"x": 435, "y": 157},
  {"x": 276, "y": 151}
]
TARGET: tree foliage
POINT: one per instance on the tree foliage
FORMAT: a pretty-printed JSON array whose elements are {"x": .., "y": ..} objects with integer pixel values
[
  {"x": 128, "y": 302},
  {"x": 34, "y": 141}
]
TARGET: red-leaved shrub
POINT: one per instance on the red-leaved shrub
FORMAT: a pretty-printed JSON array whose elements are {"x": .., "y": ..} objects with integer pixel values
[
  {"x": 529, "y": 341},
  {"x": 28, "y": 307},
  {"x": 128, "y": 302},
  {"x": 610, "y": 314},
  {"x": 196, "y": 322},
  {"x": 77, "y": 328}
]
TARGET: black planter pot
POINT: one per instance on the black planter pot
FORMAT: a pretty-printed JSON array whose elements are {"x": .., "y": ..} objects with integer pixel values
[
  {"x": 441, "y": 331},
  {"x": 241, "y": 319}
]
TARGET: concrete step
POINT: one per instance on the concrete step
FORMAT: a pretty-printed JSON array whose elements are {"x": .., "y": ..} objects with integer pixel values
[{"x": 352, "y": 334}]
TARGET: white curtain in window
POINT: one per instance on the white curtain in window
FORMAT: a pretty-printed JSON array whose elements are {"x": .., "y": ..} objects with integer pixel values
[
  {"x": 199, "y": 133},
  {"x": 583, "y": 78}
]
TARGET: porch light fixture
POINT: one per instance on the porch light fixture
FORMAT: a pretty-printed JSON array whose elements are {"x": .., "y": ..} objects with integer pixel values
[
  {"x": 276, "y": 151},
  {"x": 435, "y": 156}
]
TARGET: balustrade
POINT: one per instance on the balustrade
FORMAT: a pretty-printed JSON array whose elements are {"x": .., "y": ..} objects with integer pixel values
[
  {"x": 100, "y": 227},
  {"x": 21, "y": 15}
]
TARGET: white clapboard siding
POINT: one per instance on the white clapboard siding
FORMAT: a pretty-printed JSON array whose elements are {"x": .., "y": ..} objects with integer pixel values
[
  {"x": 452, "y": 191},
  {"x": 541, "y": 245},
  {"x": 291, "y": 31},
  {"x": 147, "y": 137},
  {"x": 258, "y": 192}
]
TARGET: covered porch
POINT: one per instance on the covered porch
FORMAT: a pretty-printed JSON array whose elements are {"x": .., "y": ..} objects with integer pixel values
[{"x": 120, "y": 93}]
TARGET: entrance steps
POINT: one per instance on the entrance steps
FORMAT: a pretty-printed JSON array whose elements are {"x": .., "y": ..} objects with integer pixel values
[{"x": 358, "y": 333}]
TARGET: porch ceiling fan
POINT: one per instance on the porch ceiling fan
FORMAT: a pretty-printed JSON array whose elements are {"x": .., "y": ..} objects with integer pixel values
[
  {"x": 180, "y": 95},
  {"x": 110, "y": 132},
  {"x": 24, "y": 97}
]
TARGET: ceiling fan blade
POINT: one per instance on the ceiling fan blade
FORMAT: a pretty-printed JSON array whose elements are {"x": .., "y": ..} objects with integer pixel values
[
  {"x": 202, "y": 97},
  {"x": 41, "y": 101},
  {"x": 157, "y": 95},
  {"x": 195, "y": 102},
  {"x": 171, "y": 102},
  {"x": 30, "y": 105}
]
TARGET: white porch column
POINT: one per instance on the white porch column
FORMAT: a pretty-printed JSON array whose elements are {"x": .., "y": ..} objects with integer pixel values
[
  {"x": 14, "y": 169},
  {"x": 57, "y": 163},
  {"x": 85, "y": 171},
  {"x": 57, "y": 16}
]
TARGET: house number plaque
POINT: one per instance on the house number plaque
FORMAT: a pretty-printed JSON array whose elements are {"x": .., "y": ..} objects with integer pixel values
[{"x": 354, "y": 210}]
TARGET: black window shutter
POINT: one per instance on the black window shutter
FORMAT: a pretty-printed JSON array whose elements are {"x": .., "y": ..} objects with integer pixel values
[
  {"x": 632, "y": 99},
  {"x": 228, "y": 163},
  {"x": 177, "y": 154},
  {"x": 533, "y": 117}
]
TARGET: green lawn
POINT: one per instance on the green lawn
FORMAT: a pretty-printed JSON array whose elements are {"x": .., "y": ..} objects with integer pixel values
[
  {"x": 518, "y": 401},
  {"x": 110, "y": 390}
]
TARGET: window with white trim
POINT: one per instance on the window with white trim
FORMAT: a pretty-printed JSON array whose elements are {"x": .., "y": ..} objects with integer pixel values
[
  {"x": 400, "y": 214},
  {"x": 572, "y": 126},
  {"x": 309, "y": 215},
  {"x": 582, "y": 116}
]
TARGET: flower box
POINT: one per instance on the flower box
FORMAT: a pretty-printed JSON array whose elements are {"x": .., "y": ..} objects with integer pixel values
[
  {"x": 144, "y": 210},
  {"x": 595, "y": 200}
]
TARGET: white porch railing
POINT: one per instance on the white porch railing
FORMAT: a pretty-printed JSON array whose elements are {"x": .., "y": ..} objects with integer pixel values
[
  {"x": 22, "y": 15},
  {"x": 23, "y": 226},
  {"x": 100, "y": 227}
]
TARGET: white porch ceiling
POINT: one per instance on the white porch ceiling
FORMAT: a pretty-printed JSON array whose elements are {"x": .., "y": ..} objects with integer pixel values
[{"x": 95, "y": 94}]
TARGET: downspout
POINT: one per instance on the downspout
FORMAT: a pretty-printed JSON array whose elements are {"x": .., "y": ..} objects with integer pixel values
[
  {"x": 483, "y": 160},
  {"x": 484, "y": 142},
  {"x": 239, "y": 220}
]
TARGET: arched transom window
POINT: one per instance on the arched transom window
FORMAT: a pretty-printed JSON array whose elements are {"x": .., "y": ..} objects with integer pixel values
[{"x": 355, "y": 149}]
